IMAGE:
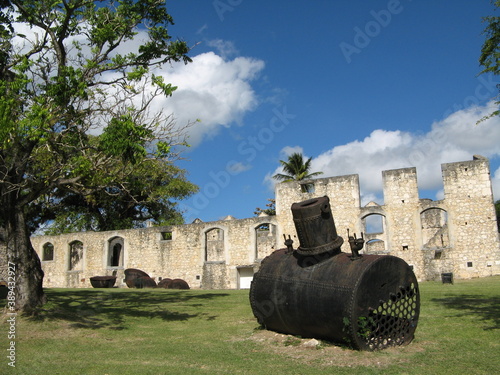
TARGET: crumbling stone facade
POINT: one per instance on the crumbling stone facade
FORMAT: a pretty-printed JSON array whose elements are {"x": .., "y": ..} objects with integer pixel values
[
  {"x": 213, "y": 255},
  {"x": 455, "y": 235}
]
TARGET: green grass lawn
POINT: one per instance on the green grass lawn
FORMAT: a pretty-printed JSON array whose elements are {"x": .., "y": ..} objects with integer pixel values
[{"x": 141, "y": 331}]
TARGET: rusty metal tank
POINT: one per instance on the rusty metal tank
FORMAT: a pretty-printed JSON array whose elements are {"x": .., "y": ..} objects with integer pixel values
[
  {"x": 103, "y": 281},
  {"x": 132, "y": 274},
  {"x": 368, "y": 302}
]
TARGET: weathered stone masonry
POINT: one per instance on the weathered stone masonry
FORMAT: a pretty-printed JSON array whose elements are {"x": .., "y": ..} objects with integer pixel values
[
  {"x": 457, "y": 234},
  {"x": 219, "y": 254}
]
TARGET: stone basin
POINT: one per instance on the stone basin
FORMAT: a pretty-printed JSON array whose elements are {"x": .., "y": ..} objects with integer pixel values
[{"x": 103, "y": 281}]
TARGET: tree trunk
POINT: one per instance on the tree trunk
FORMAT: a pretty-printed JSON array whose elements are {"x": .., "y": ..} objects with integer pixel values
[{"x": 23, "y": 264}]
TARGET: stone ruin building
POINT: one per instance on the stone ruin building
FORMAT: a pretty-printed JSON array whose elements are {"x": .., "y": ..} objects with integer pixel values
[{"x": 455, "y": 235}]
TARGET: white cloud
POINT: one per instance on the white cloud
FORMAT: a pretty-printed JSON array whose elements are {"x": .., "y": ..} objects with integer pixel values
[
  {"x": 288, "y": 150},
  {"x": 455, "y": 138},
  {"x": 268, "y": 179},
  {"x": 224, "y": 48},
  {"x": 238, "y": 167},
  {"x": 381, "y": 150},
  {"x": 370, "y": 197},
  {"x": 213, "y": 90}
]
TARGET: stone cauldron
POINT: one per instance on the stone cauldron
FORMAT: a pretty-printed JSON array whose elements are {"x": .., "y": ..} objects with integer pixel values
[
  {"x": 178, "y": 284},
  {"x": 131, "y": 274},
  {"x": 173, "y": 284},
  {"x": 144, "y": 282},
  {"x": 164, "y": 283},
  {"x": 103, "y": 281}
]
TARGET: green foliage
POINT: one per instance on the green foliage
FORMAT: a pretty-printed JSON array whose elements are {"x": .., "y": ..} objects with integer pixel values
[
  {"x": 295, "y": 169},
  {"x": 292, "y": 341},
  {"x": 167, "y": 88},
  {"x": 490, "y": 51},
  {"x": 146, "y": 194},
  {"x": 69, "y": 81},
  {"x": 270, "y": 210},
  {"x": 123, "y": 137},
  {"x": 365, "y": 326},
  {"x": 77, "y": 134},
  {"x": 346, "y": 328},
  {"x": 163, "y": 149}
]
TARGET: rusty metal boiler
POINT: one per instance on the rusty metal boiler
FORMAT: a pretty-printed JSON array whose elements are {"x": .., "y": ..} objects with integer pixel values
[{"x": 368, "y": 302}]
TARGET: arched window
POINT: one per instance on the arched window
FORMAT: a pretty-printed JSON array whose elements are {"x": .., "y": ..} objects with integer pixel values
[
  {"x": 75, "y": 255},
  {"x": 265, "y": 240},
  {"x": 115, "y": 252},
  {"x": 375, "y": 234},
  {"x": 48, "y": 252},
  {"x": 434, "y": 228},
  {"x": 214, "y": 245},
  {"x": 374, "y": 224}
]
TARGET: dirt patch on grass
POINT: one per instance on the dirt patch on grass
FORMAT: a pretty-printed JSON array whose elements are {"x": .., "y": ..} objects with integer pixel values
[{"x": 323, "y": 353}]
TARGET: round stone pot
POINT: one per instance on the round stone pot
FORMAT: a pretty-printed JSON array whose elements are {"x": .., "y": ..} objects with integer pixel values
[
  {"x": 103, "y": 281},
  {"x": 132, "y": 274}
]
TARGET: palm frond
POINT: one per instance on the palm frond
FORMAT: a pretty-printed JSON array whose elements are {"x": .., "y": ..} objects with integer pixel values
[{"x": 295, "y": 169}]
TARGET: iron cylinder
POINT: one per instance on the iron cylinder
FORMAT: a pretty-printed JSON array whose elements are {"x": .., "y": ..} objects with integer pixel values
[{"x": 369, "y": 303}]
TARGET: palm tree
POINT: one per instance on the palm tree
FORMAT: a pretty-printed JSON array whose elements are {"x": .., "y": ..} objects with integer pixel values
[{"x": 296, "y": 170}]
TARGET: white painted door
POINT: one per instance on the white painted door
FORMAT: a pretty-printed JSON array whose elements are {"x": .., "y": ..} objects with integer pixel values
[{"x": 245, "y": 276}]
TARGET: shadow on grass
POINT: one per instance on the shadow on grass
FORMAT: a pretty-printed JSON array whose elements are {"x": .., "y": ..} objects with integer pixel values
[
  {"x": 109, "y": 308},
  {"x": 485, "y": 309}
]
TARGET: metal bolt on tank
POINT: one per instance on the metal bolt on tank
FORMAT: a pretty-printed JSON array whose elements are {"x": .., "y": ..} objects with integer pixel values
[{"x": 366, "y": 301}]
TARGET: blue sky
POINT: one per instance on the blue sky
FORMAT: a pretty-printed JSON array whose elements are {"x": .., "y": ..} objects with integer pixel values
[{"x": 359, "y": 86}]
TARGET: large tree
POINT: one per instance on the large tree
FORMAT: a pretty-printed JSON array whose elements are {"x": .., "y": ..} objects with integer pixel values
[
  {"x": 76, "y": 122},
  {"x": 147, "y": 195},
  {"x": 490, "y": 52},
  {"x": 270, "y": 210}
]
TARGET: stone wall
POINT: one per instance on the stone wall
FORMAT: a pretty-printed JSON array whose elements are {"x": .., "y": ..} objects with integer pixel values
[
  {"x": 205, "y": 255},
  {"x": 472, "y": 219},
  {"x": 344, "y": 195},
  {"x": 457, "y": 234}
]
